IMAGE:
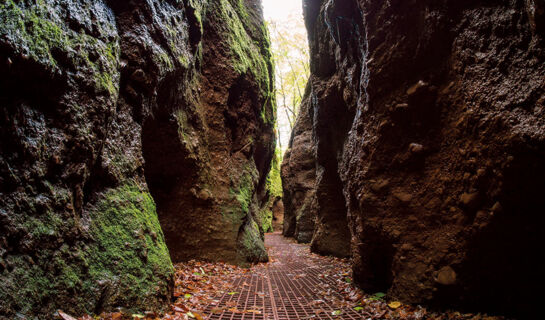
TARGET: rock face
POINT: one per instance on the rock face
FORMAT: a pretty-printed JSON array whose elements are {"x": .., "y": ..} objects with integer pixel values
[
  {"x": 278, "y": 215},
  {"x": 109, "y": 109},
  {"x": 207, "y": 164},
  {"x": 429, "y": 117},
  {"x": 299, "y": 176}
]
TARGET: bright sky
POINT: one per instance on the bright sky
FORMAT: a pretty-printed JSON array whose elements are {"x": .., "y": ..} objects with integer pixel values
[{"x": 279, "y": 11}]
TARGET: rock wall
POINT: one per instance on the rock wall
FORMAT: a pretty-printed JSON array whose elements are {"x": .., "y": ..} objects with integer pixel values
[
  {"x": 299, "y": 176},
  {"x": 428, "y": 115},
  {"x": 207, "y": 165},
  {"x": 109, "y": 109}
]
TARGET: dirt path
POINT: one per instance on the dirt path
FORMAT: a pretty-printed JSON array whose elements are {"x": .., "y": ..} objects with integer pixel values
[{"x": 294, "y": 285}]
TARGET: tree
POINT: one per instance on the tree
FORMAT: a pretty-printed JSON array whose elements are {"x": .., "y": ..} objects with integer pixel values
[{"x": 291, "y": 54}]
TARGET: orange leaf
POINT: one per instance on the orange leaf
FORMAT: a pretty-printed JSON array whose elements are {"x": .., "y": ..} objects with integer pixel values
[
  {"x": 117, "y": 316},
  {"x": 197, "y": 316}
]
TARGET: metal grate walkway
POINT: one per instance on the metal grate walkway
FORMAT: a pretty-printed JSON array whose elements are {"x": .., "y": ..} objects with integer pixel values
[{"x": 294, "y": 285}]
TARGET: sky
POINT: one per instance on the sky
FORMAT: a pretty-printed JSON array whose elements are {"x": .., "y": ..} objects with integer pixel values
[{"x": 278, "y": 11}]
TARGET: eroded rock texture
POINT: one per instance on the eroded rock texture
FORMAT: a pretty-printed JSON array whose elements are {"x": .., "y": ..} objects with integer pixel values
[
  {"x": 299, "y": 176},
  {"x": 109, "y": 108},
  {"x": 429, "y": 115},
  {"x": 208, "y": 162}
]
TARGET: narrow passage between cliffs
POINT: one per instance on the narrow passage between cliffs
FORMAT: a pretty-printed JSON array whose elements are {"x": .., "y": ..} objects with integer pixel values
[{"x": 294, "y": 284}]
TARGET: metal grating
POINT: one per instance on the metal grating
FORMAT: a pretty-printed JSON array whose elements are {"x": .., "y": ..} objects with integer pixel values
[{"x": 289, "y": 287}]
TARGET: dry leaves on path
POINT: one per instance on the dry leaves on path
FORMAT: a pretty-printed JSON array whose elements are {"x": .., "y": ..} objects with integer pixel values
[{"x": 199, "y": 286}]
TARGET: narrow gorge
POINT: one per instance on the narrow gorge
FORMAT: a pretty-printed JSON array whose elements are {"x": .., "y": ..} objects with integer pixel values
[{"x": 140, "y": 137}]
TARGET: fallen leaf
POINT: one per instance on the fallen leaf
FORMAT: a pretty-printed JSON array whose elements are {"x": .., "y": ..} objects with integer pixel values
[
  {"x": 181, "y": 309},
  {"x": 253, "y": 311},
  {"x": 394, "y": 304},
  {"x": 116, "y": 315},
  {"x": 378, "y": 296},
  {"x": 64, "y": 316}
]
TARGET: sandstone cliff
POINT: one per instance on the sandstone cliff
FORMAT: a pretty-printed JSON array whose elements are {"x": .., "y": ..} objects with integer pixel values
[
  {"x": 429, "y": 116},
  {"x": 109, "y": 109}
]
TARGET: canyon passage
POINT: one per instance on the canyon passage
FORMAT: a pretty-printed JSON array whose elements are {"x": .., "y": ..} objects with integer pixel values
[{"x": 142, "y": 174}]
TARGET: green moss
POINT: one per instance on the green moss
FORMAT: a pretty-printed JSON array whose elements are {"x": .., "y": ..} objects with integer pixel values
[
  {"x": 183, "y": 60},
  {"x": 268, "y": 110},
  {"x": 265, "y": 218},
  {"x": 41, "y": 226},
  {"x": 25, "y": 284},
  {"x": 35, "y": 32},
  {"x": 246, "y": 54},
  {"x": 249, "y": 46},
  {"x": 123, "y": 262},
  {"x": 197, "y": 7},
  {"x": 104, "y": 82},
  {"x": 40, "y": 35},
  {"x": 245, "y": 190},
  {"x": 250, "y": 244},
  {"x": 274, "y": 188},
  {"x": 164, "y": 62},
  {"x": 130, "y": 250},
  {"x": 274, "y": 179}
]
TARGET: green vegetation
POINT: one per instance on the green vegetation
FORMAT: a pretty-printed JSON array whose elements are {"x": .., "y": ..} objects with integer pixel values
[
  {"x": 130, "y": 248},
  {"x": 38, "y": 34},
  {"x": 274, "y": 179},
  {"x": 290, "y": 53},
  {"x": 164, "y": 62},
  {"x": 197, "y": 7},
  {"x": 250, "y": 244},
  {"x": 246, "y": 53},
  {"x": 274, "y": 187},
  {"x": 105, "y": 82},
  {"x": 124, "y": 262},
  {"x": 245, "y": 191}
]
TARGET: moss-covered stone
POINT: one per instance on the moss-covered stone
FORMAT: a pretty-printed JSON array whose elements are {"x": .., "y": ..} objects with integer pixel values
[
  {"x": 125, "y": 262},
  {"x": 250, "y": 243},
  {"x": 274, "y": 192},
  {"x": 130, "y": 250},
  {"x": 37, "y": 33},
  {"x": 246, "y": 54},
  {"x": 274, "y": 179}
]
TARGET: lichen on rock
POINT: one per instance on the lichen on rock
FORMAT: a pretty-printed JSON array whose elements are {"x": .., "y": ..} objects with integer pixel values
[{"x": 116, "y": 120}]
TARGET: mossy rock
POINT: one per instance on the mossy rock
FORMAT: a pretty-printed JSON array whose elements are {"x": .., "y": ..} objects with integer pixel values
[
  {"x": 123, "y": 263},
  {"x": 36, "y": 32},
  {"x": 250, "y": 243}
]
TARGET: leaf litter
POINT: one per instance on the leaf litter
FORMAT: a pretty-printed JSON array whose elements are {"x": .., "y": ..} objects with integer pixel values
[{"x": 199, "y": 287}]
